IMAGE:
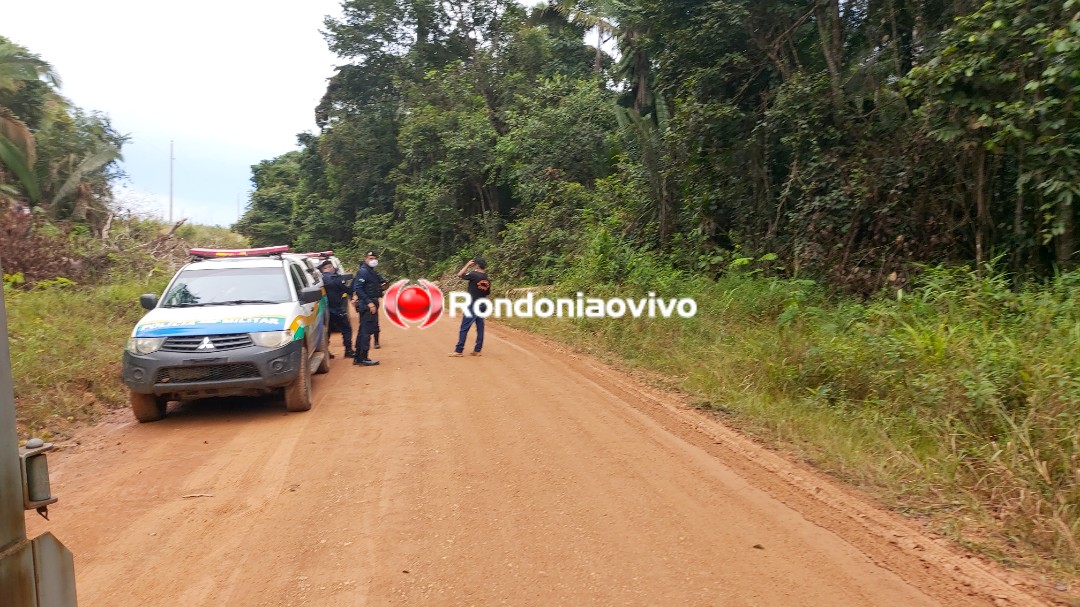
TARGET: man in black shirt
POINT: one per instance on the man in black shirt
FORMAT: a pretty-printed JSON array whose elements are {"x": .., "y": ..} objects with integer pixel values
[{"x": 479, "y": 288}]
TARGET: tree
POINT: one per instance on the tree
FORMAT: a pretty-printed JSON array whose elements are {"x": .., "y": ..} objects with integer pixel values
[
  {"x": 64, "y": 159},
  {"x": 267, "y": 220},
  {"x": 1005, "y": 88},
  {"x": 18, "y": 68}
]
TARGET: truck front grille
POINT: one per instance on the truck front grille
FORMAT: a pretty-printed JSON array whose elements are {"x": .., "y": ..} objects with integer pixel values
[
  {"x": 199, "y": 343},
  {"x": 187, "y": 375}
]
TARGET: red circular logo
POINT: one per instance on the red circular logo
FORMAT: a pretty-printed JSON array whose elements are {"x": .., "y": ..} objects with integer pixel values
[
  {"x": 421, "y": 303},
  {"x": 413, "y": 303}
]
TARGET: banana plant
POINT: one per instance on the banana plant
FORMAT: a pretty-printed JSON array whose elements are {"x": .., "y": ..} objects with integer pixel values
[{"x": 17, "y": 153}]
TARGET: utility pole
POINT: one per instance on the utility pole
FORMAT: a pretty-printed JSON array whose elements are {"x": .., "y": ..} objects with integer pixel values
[{"x": 171, "y": 158}]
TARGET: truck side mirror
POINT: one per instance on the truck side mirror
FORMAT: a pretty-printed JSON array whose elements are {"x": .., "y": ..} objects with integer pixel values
[
  {"x": 148, "y": 301},
  {"x": 310, "y": 294}
]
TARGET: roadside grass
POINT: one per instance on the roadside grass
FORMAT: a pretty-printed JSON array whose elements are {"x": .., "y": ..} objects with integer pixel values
[
  {"x": 66, "y": 344},
  {"x": 958, "y": 402}
]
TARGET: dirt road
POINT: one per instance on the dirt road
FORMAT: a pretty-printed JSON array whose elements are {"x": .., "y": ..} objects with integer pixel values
[{"x": 526, "y": 476}]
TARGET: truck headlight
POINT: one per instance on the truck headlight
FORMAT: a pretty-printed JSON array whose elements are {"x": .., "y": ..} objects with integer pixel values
[
  {"x": 144, "y": 345},
  {"x": 272, "y": 339}
]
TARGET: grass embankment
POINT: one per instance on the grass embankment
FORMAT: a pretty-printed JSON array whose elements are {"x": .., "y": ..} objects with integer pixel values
[
  {"x": 66, "y": 344},
  {"x": 959, "y": 401}
]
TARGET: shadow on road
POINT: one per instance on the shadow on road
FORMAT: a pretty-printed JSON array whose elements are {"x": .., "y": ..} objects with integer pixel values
[{"x": 224, "y": 409}]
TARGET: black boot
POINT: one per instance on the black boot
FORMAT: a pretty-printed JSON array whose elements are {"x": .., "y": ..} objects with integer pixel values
[
  {"x": 350, "y": 353},
  {"x": 362, "y": 360}
]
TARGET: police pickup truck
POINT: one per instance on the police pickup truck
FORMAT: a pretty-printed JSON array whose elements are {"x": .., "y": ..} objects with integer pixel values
[{"x": 232, "y": 322}]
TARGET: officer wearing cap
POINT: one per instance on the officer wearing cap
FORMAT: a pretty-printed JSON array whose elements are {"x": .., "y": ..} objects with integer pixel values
[
  {"x": 367, "y": 289},
  {"x": 337, "y": 297}
]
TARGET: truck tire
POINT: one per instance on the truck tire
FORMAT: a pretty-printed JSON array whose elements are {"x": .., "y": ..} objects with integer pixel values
[
  {"x": 298, "y": 393},
  {"x": 147, "y": 407}
]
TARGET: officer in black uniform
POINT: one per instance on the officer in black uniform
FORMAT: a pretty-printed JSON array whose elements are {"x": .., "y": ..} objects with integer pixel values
[
  {"x": 367, "y": 288},
  {"x": 378, "y": 330},
  {"x": 337, "y": 298}
]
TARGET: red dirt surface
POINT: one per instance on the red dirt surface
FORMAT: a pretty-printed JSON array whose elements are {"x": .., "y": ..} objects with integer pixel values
[{"x": 526, "y": 476}]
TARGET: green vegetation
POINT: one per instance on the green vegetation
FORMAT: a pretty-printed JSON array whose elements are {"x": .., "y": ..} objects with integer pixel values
[
  {"x": 958, "y": 400},
  {"x": 65, "y": 342},
  {"x": 855, "y": 140}
]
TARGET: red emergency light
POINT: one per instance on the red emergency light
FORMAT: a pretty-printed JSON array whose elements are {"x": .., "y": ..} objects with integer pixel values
[
  {"x": 205, "y": 253},
  {"x": 322, "y": 254}
]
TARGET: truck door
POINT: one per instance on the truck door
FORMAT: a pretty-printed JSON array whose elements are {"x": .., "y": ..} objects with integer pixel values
[{"x": 313, "y": 331}]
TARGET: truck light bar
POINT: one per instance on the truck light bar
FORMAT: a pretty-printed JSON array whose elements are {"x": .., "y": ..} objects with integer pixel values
[
  {"x": 217, "y": 253},
  {"x": 322, "y": 254}
]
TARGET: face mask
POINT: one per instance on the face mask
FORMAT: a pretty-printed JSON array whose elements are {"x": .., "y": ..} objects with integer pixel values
[{"x": 373, "y": 262}]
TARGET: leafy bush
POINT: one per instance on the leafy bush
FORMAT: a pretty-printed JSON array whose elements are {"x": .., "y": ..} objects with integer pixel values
[{"x": 32, "y": 250}]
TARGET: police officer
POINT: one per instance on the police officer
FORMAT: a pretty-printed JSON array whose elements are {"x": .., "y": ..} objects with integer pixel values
[
  {"x": 337, "y": 297},
  {"x": 367, "y": 288},
  {"x": 382, "y": 291}
]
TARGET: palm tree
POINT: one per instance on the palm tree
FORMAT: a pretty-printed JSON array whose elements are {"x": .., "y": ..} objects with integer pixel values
[
  {"x": 591, "y": 14},
  {"x": 643, "y": 110},
  {"x": 79, "y": 167},
  {"x": 17, "y": 154}
]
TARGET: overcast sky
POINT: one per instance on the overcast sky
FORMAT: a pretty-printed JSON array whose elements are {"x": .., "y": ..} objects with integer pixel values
[{"x": 231, "y": 82}]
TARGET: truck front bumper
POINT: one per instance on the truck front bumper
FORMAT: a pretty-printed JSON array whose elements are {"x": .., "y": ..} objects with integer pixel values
[{"x": 247, "y": 371}]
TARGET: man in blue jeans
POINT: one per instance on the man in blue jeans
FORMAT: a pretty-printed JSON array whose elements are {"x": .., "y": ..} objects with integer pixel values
[{"x": 479, "y": 288}]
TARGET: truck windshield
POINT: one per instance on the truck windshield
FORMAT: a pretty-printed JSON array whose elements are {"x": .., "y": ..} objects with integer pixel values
[{"x": 230, "y": 286}]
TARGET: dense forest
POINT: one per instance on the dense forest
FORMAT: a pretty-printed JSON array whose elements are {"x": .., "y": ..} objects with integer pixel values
[{"x": 851, "y": 140}]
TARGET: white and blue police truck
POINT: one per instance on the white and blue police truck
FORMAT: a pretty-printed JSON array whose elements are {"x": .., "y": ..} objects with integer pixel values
[{"x": 232, "y": 322}]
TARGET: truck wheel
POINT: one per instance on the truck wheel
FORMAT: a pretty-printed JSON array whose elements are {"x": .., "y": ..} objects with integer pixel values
[
  {"x": 147, "y": 407},
  {"x": 298, "y": 393}
]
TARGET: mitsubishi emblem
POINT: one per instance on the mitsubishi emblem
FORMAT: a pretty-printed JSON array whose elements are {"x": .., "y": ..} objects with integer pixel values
[{"x": 206, "y": 344}]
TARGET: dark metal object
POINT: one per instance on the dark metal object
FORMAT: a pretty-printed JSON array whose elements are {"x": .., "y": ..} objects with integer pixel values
[
  {"x": 37, "y": 495},
  {"x": 38, "y": 573}
]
